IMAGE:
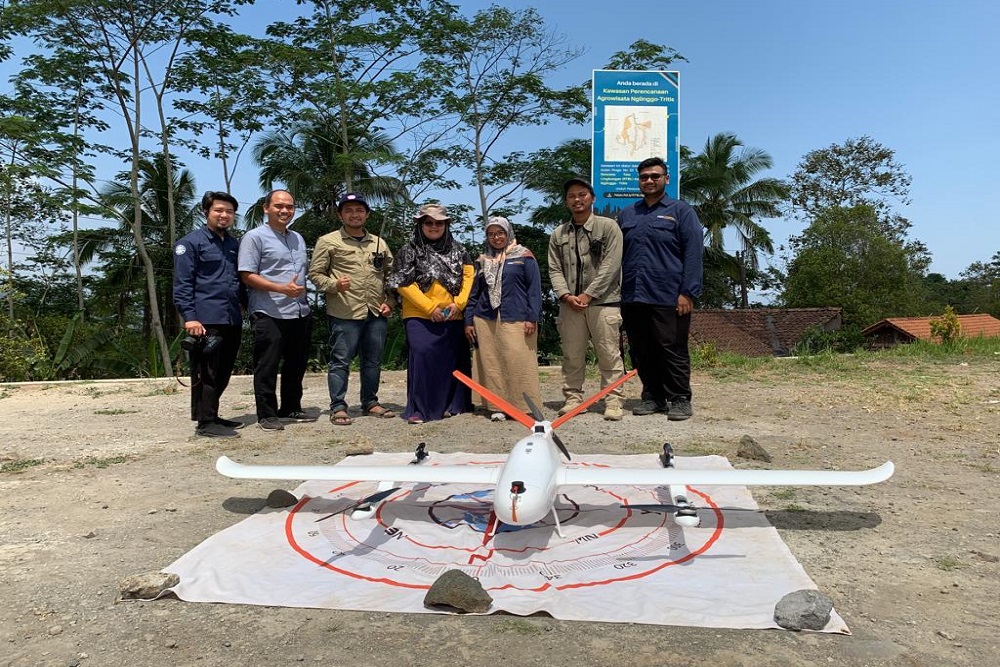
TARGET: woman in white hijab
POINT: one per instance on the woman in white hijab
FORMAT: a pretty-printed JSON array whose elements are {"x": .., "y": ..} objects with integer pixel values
[{"x": 501, "y": 319}]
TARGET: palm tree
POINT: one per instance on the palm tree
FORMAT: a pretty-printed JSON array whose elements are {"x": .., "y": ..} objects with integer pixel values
[
  {"x": 123, "y": 278},
  {"x": 310, "y": 161},
  {"x": 719, "y": 184}
]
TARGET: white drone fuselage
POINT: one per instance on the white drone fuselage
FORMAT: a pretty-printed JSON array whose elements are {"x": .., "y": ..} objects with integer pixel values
[{"x": 528, "y": 481}]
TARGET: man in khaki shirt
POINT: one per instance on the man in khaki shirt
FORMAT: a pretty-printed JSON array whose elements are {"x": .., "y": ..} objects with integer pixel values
[
  {"x": 350, "y": 266},
  {"x": 585, "y": 256}
]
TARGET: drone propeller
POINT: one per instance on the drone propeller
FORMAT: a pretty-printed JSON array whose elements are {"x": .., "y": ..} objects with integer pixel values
[
  {"x": 537, "y": 414},
  {"x": 368, "y": 500}
]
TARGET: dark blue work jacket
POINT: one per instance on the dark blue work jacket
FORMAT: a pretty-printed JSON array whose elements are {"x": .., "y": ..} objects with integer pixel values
[
  {"x": 207, "y": 286},
  {"x": 662, "y": 250},
  {"x": 520, "y": 294}
]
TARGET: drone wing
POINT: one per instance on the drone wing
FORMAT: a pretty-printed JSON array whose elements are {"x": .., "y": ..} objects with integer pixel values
[
  {"x": 667, "y": 476},
  {"x": 430, "y": 474}
]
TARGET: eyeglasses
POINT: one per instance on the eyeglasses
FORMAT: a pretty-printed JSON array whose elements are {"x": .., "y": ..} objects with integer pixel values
[
  {"x": 427, "y": 222},
  {"x": 494, "y": 235},
  {"x": 651, "y": 177}
]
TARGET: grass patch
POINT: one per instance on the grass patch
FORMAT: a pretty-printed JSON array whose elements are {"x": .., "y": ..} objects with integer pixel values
[
  {"x": 20, "y": 465},
  {"x": 795, "y": 507},
  {"x": 517, "y": 626},
  {"x": 115, "y": 411},
  {"x": 101, "y": 462},
  {"x": 784, "y": 494},
  {"x": 948, "y": 564}
]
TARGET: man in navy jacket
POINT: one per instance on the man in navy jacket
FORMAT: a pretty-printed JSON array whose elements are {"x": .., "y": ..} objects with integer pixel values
[
  {"x": 207, "y": 294},
  {"x": 661, "y": 278}
]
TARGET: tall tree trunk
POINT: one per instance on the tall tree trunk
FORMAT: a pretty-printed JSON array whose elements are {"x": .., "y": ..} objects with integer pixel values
[
  {"x": 140, "y": 244},
  {"x": 76, "y": 213}
]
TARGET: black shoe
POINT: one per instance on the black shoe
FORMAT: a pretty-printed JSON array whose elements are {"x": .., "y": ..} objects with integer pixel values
[
  {"x": 680, "y": 410},
  {"x": 229, "y": 423},
  {"x": 649, "y": 406},
  {"x": 297, "y": 417},
  {"x": 271, "y": 424},
  {"x": 214, "y": 430}
]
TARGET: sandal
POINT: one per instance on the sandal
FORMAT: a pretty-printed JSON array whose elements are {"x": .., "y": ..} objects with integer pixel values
[
  {"x": 414, "y": 420},
  {"x": 378, "y": 410},
  {"x": 341, "y": 418}
]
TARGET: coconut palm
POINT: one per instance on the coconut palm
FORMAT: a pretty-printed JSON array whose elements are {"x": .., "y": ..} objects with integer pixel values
[
  {"x": 720, "y": 185},
  {"x": 122, "y": 277},
  {"x": 310, "y": 162}
]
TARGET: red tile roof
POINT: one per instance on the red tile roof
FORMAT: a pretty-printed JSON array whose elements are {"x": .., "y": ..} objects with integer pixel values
[
  {"x": 920, "y": 327},
  {"x": 759, "y": 332}
]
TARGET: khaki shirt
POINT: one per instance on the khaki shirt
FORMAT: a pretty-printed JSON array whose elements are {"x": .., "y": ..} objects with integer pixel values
[
  {"x": 575, "y": 269},
  {"x": 338, "y": 254}
]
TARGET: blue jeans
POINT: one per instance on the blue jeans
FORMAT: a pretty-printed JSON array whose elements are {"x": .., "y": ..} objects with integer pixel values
[{"x": 350, "y": 338}]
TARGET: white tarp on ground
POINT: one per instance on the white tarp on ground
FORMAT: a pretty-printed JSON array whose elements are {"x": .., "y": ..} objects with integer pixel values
[{"x": 613, "y": 564}]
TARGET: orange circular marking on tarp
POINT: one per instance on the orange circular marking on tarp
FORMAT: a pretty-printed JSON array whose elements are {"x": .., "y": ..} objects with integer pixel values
[{"x": 391, "y": 581}]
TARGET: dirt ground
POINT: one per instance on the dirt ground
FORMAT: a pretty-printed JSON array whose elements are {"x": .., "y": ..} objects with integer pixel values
[{"x": 104, "y": 480}]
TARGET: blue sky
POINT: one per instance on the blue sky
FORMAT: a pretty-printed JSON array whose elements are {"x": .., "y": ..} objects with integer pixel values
[{"x": 791, "y": 76}]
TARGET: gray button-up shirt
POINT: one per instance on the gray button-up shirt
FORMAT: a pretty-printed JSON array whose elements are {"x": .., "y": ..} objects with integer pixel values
[{"x": 278, "y": 258}]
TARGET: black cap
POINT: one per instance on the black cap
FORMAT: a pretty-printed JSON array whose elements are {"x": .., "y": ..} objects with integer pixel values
[
  {"x": 352, "y": 196},
  {"x": 576, "y": 180}
]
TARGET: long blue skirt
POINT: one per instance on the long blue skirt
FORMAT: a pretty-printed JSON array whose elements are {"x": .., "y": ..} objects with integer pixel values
[{"x": 435, "y": 350}]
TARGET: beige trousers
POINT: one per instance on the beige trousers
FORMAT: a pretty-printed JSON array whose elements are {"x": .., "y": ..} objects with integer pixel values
[
  {"x": 599, "y": 325},
  {"x": 507, "y": 362}
]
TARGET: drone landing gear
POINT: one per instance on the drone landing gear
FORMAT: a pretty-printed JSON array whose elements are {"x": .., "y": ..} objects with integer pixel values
[
  {"x": 555, "y": 518},
  {"x": 686, "y": 514}
]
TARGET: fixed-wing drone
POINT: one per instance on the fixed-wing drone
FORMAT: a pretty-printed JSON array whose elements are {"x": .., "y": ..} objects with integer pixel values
[{"x": 528, "y": 482}]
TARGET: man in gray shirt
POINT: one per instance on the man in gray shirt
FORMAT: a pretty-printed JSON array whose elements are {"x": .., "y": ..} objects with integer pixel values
[{"x": 272, "y": 264}]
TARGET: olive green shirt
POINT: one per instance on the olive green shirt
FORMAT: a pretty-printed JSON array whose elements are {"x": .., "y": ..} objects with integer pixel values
[
  {"x": 575, "y": 266},
  {"x": 339, "y": 254}
]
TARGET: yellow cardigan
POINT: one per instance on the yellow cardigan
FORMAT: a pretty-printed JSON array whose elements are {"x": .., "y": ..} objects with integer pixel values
[{"x": 421, "y": 304}]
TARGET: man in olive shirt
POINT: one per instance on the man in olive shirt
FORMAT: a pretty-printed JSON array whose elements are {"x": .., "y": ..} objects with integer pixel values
[
  {"x": 350, "y": 266},
  {"x": 585, "y": 268}
]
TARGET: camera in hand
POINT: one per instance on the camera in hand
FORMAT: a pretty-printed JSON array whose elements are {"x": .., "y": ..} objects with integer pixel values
[{"x": 206, "y": 344}]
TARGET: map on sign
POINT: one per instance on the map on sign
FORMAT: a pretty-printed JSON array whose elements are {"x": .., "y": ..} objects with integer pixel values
[{"x": 634, "y": 133}]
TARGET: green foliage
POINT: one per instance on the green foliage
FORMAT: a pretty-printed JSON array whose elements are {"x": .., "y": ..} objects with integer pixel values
[
  {"x": 817, "y": 340},
  {"x": 19, "y": 465},
  {"x": 946, "y": 328},
  {"x": 21, "y": 352},
  {"x": 859, "y": 172},
  {"x": 844, "y": 259}
]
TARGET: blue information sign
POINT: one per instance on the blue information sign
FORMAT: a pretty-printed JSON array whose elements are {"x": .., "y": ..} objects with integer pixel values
[{"x": 635, "y": 117}]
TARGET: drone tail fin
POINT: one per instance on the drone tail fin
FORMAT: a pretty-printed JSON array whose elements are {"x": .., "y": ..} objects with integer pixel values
[{"x": 593, "y": 399}]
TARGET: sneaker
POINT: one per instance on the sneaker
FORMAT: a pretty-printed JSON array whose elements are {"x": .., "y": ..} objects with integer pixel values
[
  {"x": 649, "y": 406},
  {"x": 680, "y": 410},
  {"x": 229, "y": 423},
  {"x": 271, "y": 424},
  {"x": 215, "y": 430},
  {"x": 498, "y": 417},
  {"x": 613, "y": 413},
  {"x": 570, "y": 403},
  {"x": 297, "y": 417}
]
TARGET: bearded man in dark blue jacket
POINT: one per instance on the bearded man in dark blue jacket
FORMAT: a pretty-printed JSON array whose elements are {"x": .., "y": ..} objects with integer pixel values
[{"x": 661, "y": 278}]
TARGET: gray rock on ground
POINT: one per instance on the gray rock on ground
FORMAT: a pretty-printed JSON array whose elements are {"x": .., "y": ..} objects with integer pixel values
[
  {"x": 280, "y": 498},
  {"x": 803, "y": 610},
  {"x": 147, "y": 586},
  {"x": 456, "y": 589},
  {"x": 749, "y": 449}
]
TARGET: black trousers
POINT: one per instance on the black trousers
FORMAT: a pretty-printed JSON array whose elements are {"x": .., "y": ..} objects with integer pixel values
[
  {"x": 280, "y": 344},
  {"x": 210, "y": 373},
  {"x": 658, "y": 338}
]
